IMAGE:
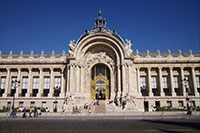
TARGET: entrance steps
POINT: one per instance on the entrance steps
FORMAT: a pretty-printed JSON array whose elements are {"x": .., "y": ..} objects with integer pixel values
[{"x": 101, "y": 108}]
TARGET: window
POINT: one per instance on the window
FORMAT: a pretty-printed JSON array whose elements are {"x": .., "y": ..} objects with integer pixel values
[
  {"x": 193, "y": 103},
  {"x": 169, "y": 103},
  {"x": 44, "y": 105},
  {"x": 180, "y": 103},
  {"x": 142, "y": 81},
  {"x": 3, "y": 82},
  {"x": 57, "y": 82},
  {"x": 187, "y": 83},
  {"x": 13, "y": 79},
  {"x": 21, "y": 104},
  {"x": 9, "y": 104},
  {"x": 35, "y": 82},
  {"x": 176, "y": 85},
  {"x": 198, "y": 81},
  {"x": 153, "y": 82},
  {"x": 46, "y": 82},
  {"x": 165, "y": 83},
  {"x": 25, "y": 82},
  {"x": 32, "y": 104}
]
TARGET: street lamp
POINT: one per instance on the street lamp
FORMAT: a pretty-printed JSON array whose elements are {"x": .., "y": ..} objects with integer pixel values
[
  {"x": 56, "y": 93},
  {"x": 15, "y": 84},
  {"x": 185, "y": 83},
  {"x": 144, "y": 92}
]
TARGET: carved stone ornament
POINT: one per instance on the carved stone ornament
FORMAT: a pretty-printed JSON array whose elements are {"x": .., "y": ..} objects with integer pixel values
[
  {"x": 127, "y": 47},
  {"x": 99, "y": 57},
  {"x": 72, "y": 48}
]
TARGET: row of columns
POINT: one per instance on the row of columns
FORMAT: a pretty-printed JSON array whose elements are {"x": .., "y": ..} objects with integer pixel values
[
  {"x": 29, "y": 89},
  {"x": 171, "y": 81}
]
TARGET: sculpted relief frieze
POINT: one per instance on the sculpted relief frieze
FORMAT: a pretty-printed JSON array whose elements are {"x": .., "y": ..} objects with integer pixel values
[{"x": 100, "y": 57}]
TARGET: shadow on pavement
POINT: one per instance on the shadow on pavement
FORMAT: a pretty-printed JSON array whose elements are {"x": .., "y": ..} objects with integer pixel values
[{"x": 194, "y": 125}]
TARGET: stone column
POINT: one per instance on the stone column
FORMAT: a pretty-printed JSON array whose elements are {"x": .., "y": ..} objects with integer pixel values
[
  {"x": 124, "y": 80},
  {"x": 7, "y": 83},
  {"x": 51, "y": 91},
  {"x": 194, "y": 82},
  {"x": 171, "y": 81},
  {"x": 160, "y": 81},
  {"x": 182, "y": 84},
  {"x": 40, "y": 84},
  {"x": 149, "y": 81},
  {"x": 68, "y": 83},
  {"x": 77, "y": 78},
  {"x": 119, "y": 79},
  {"x": 138, "y": 82},
  {"x": 62, "y": 89},
  {"x": 71, "y": 79},
  {"x": 29, "y": 89},
  {"x": 18, "y": 90}
]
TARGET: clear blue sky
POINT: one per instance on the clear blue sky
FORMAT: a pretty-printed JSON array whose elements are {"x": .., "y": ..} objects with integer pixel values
[{"x": 51, "y": 24}]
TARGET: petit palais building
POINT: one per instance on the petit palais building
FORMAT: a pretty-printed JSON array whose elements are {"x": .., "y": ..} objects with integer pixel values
[{"x": 100, "y": 65}]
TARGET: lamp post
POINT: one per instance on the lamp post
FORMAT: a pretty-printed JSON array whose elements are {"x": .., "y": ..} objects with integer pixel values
[
  {"x": 185, "y": 83},
  {"x": 144, "y": 92},
  {"x": 56, "y": 92},
  {"x": 15, "y": 84}
]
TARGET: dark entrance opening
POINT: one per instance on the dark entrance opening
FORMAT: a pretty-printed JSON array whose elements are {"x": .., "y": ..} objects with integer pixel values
[
  {"x": 146, "y": 106},
  {"x": 100, "y": 95},
  {"x": 157, "y": 103}
]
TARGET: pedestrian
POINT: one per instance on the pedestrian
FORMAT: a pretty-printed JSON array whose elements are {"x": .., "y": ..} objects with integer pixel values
[
  {"x": 35, "y": 112},
  {"x": 24, "y": 114},
  {"x": 73, "y": 109},
  {"x": 89, "y": 110},
  {"x": 30, "y": 113},
  {"x": 63, "y": 110},
  {"x": 38, "y": 112},
  {"x": 97, "y": 102}
]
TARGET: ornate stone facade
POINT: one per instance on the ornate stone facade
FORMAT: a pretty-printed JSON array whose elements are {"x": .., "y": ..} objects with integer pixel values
[{"x": 100, "y": 65}]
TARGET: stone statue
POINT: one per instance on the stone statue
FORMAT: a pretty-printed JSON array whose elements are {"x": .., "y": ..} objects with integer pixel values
[
  {"x": 72, "y": 48},
  {"x": 128, "y": 49}
]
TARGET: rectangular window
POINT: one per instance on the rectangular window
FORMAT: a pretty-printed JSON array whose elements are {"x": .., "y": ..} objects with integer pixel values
[
  {"x": 14, "y": 78},
  {"x": 9, "y": 104},
  {"x": 142, "y": 81},
  {"x": 176, "y": 85},
  {"x": 46, "y": 82},
  {"x": 154, "y": 82},
  {"x": 3, "y": 82},
  {"x": 32, "y": 104},
  {"x": 35, "y": 82},
  {"x": 180, "y": 103},
  {"x": 165, "y": 82},
  {"x": 198, "y": 81},
  {"x": 44, "y": 105},
  {"x": 193, "y": 103},
  {"x": 188, "y": 79},
  {"x": 57, "y": 82},
  {"x": 24, "y": 82},
  {"x": 21, "y": 104},
  {"x": 169, "y": 103}
]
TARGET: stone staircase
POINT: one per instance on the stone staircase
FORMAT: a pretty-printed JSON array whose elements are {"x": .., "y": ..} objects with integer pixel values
[{"x": 101, "y": 108}]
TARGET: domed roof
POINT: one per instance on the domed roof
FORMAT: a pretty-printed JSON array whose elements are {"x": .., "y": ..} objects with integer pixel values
[{"x": 100, "y": 27}]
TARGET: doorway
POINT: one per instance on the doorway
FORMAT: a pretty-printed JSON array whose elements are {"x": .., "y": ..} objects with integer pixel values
[{"x": 146, "y": 106}]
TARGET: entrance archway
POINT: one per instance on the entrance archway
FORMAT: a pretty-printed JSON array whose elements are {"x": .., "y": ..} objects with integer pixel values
[{"x": 100, "y": 82}]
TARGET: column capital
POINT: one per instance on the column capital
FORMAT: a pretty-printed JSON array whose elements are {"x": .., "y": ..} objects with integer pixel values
[
  {"x": 193, "y": 67},
  {"x": 181, "y": 67},
  {"x": 40, "y": 69},
  {"x": 51, "y": 68},
  {"x": 30, "y": 69},
  {"x": 149, "y": 68},
  {"x": 159, "y": 68},
  {"x": 8, "y": 68},
  {"x": 18, "y": 69},
  {"x": 171, "y": 68}
]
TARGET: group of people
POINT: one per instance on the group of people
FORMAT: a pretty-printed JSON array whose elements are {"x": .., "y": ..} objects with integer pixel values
[
  {"x": 35, "y": 111},
  {"x": 76, "y": 109},
  {"x": 88, "y": 108}
]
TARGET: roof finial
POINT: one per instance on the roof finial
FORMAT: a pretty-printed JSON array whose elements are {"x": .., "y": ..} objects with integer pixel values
[{"x": 100, "y": 22}]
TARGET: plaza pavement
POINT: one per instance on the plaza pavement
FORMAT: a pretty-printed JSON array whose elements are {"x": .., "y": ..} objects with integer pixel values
[{"x": 112, "y": 115}]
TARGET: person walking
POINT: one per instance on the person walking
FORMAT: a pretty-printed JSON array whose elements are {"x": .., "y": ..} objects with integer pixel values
[
  {"x": 24, "y": 114},
  {"x": 30, "y": 113}
]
